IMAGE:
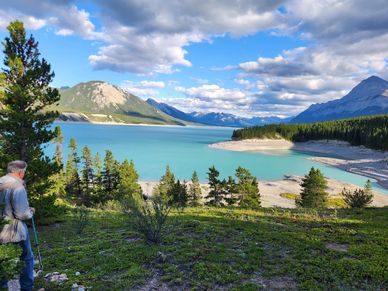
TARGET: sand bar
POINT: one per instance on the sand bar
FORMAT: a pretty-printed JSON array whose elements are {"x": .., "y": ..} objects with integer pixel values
[{"x": 355, "y": 159}]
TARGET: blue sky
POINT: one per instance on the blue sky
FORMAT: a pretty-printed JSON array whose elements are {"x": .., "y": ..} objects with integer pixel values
[{"x": 249, "y": 58}]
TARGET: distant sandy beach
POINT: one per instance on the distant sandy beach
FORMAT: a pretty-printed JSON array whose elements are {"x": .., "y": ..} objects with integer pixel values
[
  {"x": 270, "y": 191},
  {"x": 357, "y": 160}
]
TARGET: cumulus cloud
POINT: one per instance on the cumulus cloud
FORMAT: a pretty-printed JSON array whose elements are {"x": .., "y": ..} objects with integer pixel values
[
  {"x": 64, "y": 16},
  {"x": 143, "y": 88},
  {"x": 349, "y": 43}
]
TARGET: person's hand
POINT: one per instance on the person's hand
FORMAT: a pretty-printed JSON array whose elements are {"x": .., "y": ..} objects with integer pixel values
[{"x": 32, "y": 210}]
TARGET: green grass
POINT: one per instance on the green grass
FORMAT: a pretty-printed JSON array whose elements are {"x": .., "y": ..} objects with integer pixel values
[
  {"x": 332, "y": 202},
  {"x": 219, "y": 248}
]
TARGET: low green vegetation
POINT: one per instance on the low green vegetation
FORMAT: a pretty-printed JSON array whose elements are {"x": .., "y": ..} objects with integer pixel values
[
  {"x": 224, "y": 248},
  {"x": 370, "y": 131},
  {"x": 291, "y": 196},
  {"x": 360, "y": 198},
  {"x": 332, "y": 202}
]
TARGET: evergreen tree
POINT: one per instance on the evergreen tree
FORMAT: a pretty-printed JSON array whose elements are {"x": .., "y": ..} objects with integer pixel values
[
  {"x": 247, "y": 188},
  {"x": 178, "y": 194},
  {"x": 129, "y": 186},
  {"x": 98, "y": 178},
  {"x": 231, "y": 191},
  {"x": 25, "y": 117},
  {"x": 217, "y": 188},
  {"x": 194, "y": 193},
  {"x": 87, "y": 177},
  {"x": 165, "y": 185},
  {"x": 314, "y": 187},
  {"x": 58, "y": 179},
  {"x": 73, "y": 181},
  {"x": 110, "y": 176}
]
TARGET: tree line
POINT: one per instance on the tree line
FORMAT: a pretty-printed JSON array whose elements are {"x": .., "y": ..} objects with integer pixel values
[
  {"x": 89, "y": 180},
  {"x": 369, "y": 131}
]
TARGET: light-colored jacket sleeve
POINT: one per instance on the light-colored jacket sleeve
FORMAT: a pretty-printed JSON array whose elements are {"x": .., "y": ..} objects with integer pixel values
[{"x": 21, "y": 208}]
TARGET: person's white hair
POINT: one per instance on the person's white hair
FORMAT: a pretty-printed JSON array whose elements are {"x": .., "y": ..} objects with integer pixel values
[{"x": 16, "y": 166}]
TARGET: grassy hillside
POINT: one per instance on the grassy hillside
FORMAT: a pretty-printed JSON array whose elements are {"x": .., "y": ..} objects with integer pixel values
[
  {"x": 370, "y": 131},
  {"x": 217, "y": 248},
  {"x": 96, "y": 97}
]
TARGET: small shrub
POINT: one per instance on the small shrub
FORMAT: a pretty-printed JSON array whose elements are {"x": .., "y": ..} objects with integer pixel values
[
  {"x": 82, "y": 219},
  {"x": 10, "y": 264},
  {"x": 148, "y": 216},
  {"x": 358, "y": 199}
]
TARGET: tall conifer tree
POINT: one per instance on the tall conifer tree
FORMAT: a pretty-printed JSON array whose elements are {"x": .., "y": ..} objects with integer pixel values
[
  {"x": 314, "y": 187},
  {"x": 73, "y": 181},
  {"x": 25, "y": 117},
  {"x": 195, "y": 192}
]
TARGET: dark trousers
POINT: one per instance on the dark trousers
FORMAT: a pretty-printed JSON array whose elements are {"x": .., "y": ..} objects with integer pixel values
[{"x": 27, "y": 274}]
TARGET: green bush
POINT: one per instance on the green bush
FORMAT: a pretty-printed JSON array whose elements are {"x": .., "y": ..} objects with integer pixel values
[
  {"x": 357, "y": 199},
  {"x": 148, "y": 217},
  {"x": 10, "y": 264}
]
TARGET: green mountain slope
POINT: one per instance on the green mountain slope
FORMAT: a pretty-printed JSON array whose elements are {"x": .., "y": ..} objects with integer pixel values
[{"x": 103, "y": 102}]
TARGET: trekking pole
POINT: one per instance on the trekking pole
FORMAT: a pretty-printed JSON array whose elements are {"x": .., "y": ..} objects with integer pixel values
[{"x": 37, "y": 244}]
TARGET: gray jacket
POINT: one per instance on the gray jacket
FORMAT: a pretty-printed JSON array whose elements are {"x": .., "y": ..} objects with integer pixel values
[{"x": 13, "y": 196}]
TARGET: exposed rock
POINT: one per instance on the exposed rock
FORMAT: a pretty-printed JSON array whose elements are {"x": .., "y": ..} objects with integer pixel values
[
  {"x": 76, "y": 287},
  {"x": 56, "y": 277},
  {"x": 337, "y": 247}
]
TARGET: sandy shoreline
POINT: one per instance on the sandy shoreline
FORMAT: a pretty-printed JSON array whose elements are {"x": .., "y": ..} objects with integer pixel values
[
  {"x": 270, "y": 191},
  {"x": 357, "y": 160}
]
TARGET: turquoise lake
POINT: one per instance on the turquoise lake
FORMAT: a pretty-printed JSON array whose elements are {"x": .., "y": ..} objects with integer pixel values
[{"x": 186, "y": 149}]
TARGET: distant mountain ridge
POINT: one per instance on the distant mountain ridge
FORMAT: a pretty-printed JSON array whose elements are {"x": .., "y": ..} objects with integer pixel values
[
  {"x": 103, "y": 102},
  {"x": 369, "y": 97},
  {"x": 215, "y": 118}
]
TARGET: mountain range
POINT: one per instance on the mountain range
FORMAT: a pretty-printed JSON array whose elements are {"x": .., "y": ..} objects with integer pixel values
[
  {"x": 215, "y": 118},
  {"x": 98, "y": 101},
  {"x": 369, "y": 97}
]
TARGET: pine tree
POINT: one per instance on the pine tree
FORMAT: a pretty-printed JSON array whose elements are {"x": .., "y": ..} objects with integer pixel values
[
  {"x": 58, "y": 179},
  {"x": 25, "y": 117},
  {"x": 314, "y": 187},
  {"x": 217, "y": 188},
  {"x": 129, "y": 186},
  {"x": 178, "y": 194},
  {"x": 110, "y": 176},
  {"x": 73, "y": 181},
  {"x": 165, "y": 185},
  {"x": 194, "y": 193},
  {"x": 87, "y": 177},
  {"x": 231, "y": 191},
  {"x": 247, "y": 189},
  {"x": 98, "y": 178}
]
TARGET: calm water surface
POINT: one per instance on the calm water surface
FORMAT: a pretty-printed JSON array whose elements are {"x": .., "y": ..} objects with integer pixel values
[{"x": 186, "y": 149}]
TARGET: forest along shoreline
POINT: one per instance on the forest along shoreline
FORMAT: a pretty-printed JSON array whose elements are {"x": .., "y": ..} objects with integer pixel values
[
  {"x": 272, "y": 193},
  {"x": 354, "y": 159}
]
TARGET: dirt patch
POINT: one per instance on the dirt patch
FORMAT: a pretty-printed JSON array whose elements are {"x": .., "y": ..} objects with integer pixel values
[
  {"x": 337, "y": 247},
  {"x": 154, "y": 283},
  {"x": 274, "y": 283},
  {"x": 132, "y": 238}
]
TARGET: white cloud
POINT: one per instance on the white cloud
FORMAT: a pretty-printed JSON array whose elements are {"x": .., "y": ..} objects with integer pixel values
[{"x": 143, "y": 88}]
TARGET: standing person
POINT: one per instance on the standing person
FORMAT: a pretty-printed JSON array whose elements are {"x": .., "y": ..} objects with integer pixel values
[{"x": 16, "y": 210}]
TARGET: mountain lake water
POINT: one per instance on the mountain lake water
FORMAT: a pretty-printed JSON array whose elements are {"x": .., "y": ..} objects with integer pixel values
[{"x": 185, "y": 149}]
